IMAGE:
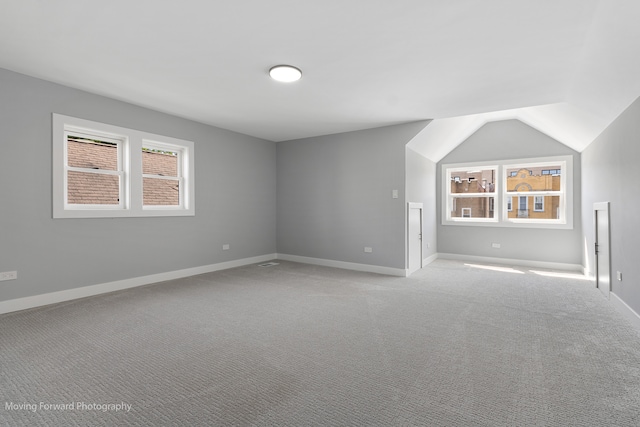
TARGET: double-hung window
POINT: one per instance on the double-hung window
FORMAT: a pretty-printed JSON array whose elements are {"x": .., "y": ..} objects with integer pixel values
[
  {"x": 540, "y": 189},
  {"x": 531, "y": 193},
  {"x": 471, "y": 193},
  {"x": 101, "y": 170},
  {"x": 161, "y": 176},
  {"x": 94, "y": 175}
]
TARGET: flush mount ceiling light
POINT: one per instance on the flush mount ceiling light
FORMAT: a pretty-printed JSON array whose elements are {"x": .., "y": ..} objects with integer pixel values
[{"x": 285, "y": 73}]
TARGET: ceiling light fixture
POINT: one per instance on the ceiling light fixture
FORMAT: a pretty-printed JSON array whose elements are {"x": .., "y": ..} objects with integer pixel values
[{"x": 285, "y": 73}]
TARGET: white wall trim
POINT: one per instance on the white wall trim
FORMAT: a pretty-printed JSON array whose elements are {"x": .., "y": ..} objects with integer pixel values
[
  {"x": 429, "y": 260},
  {"x": 512, "y": 261},
  {"x": 346, "y": 265},
  {"x": 103, "y": 288},
  {"x": 625, "y": 310},
  {"x": 87, "y": 291}
]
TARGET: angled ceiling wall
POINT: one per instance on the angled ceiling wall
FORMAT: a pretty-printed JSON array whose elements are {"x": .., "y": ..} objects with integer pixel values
[{"x": 605, "y": 83}]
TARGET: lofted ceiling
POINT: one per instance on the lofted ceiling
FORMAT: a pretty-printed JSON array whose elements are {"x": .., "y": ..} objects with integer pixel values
[{"x": 566, "y": 67}]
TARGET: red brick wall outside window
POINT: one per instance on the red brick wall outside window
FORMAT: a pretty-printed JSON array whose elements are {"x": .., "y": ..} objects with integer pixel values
[{"x": 85, "y": 188}]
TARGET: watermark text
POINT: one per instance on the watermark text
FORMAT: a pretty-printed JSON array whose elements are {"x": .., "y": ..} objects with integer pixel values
[{"x": 70, "y": 406}]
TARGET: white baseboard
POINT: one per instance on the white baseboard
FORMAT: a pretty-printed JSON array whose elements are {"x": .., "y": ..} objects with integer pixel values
[
  {"x": 513, "y": 262},
  {"x": 87, "y": 291},
  {"x": 346, "y": 265},
  {"x": 626, "y": 311},
  {"x": 429, "y": 260}
]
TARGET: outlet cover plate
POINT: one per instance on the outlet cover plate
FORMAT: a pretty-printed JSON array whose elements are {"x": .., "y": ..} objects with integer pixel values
[{"x": 8, "y": 275}]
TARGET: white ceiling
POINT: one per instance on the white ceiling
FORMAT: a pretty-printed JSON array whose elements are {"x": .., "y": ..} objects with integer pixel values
[{"x": 567, "y": 67}]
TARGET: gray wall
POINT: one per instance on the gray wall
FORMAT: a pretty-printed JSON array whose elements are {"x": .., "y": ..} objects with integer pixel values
[
  {"x": 503, "y": 140},
  {"x": 235, "y": 197},
  {"x": 609, "y": 167},
  {"x": 421, "y": 188},
  {"x": 334, "y": 196}
]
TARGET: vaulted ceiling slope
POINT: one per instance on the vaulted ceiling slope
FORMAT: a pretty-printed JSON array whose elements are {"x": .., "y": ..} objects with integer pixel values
[
  {"x": 605, "y": 82},
  {"x": 566, "y": 67}
]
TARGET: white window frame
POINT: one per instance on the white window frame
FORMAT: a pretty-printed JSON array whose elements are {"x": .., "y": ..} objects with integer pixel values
[
  {"x": 501, "y": 216},
  {"x": 122, "y": 143},
  {"x": 130, "y": 171},
  {"x": 179, "y": 178},
  {"x": 449, "y": 174},
  {"x": 565, "y": 193}
]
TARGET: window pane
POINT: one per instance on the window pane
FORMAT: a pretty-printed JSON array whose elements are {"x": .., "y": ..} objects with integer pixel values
[
  {"x": 534, "y": 178},
  {"x": 472, "y": 207},
  {"x": 86, "y": 188},
  {"x": 160, "y": 192},
  {"x": 159, "y": 162},
  {"x": 544, "y": 207},
  {"x": 91, "y": 153},
  {"x": 473, "y": 181}
]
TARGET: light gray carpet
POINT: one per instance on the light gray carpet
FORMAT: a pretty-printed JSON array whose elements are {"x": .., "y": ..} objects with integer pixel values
[{"x": 299, "y": 345}]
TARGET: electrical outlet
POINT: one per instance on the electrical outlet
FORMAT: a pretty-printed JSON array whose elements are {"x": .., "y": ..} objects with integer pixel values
[
  {"x": 8, "y": 275},
  {"x": 226, "y": 247},
  {"x": 495, "y": 245},
  {"x": 367, "y": 249}
]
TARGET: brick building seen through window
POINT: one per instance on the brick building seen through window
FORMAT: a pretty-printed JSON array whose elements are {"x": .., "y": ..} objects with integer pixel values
[{"x": 482, "y": 182}]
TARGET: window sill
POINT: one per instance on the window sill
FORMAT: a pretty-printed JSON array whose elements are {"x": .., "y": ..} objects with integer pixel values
[
  {"x": 511, "y": 224},
  {"x": 114, "y": 213}
]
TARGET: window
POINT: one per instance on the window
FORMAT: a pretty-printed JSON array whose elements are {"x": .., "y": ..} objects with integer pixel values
[
  {"x": 551, "y": 172},
  {"x": 531, "y": 193},
  {"x": 534, "y": 184},
  {"x": 94, "y": 170},
  {"x": 538, "y": 203},
  {"x": 161, "y": 175},
  {"x": 101, "y": 170},
  {"x": 471, "y": 193}
]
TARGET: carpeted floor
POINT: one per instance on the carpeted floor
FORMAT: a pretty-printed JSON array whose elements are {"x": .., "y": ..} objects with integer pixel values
[{"x": 300, "y": 345}]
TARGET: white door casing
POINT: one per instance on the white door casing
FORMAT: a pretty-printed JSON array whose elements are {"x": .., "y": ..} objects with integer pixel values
[
  {"x": 602, "y": 247},
  {"x": 414, "y": 237}
]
